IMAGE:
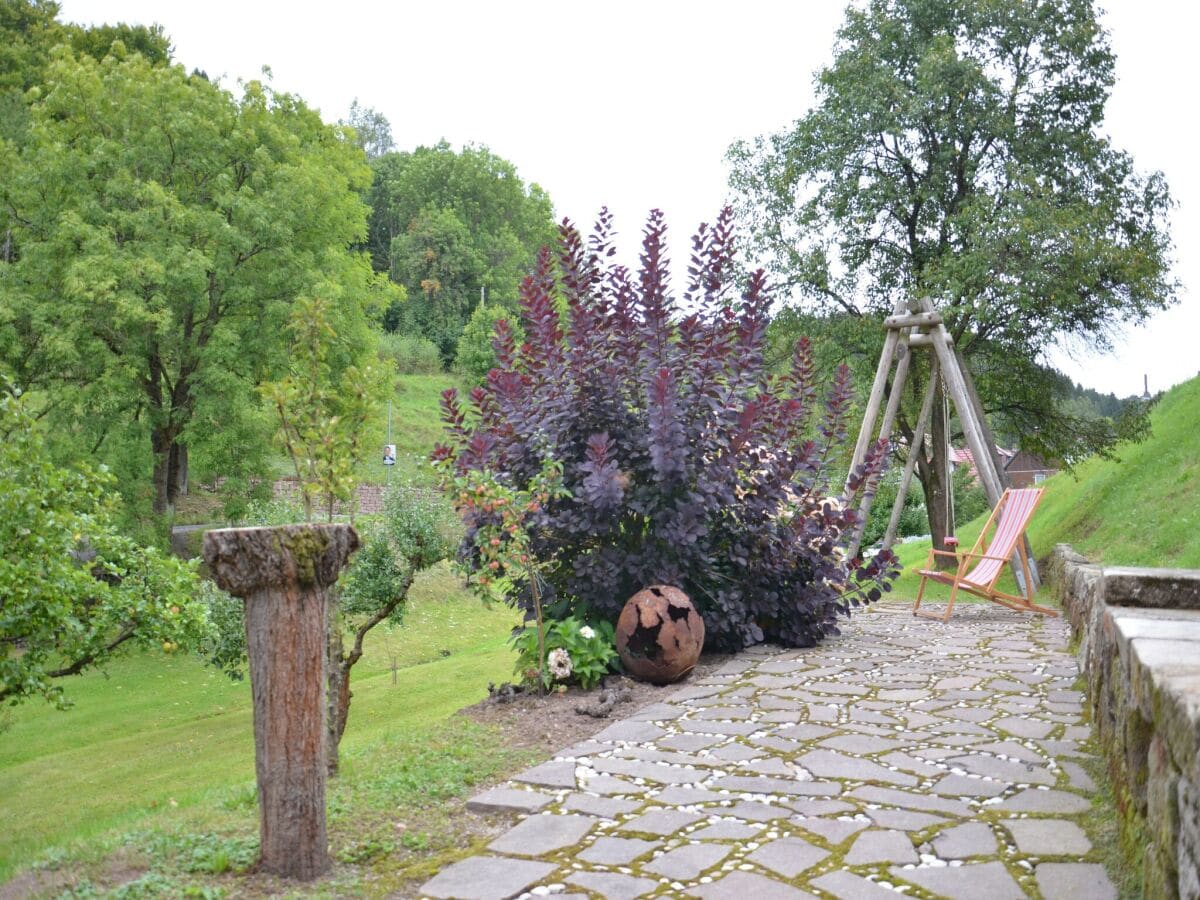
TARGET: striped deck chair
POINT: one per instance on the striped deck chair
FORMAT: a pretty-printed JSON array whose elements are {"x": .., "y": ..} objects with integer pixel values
[{"x": 1010, "y": 518}]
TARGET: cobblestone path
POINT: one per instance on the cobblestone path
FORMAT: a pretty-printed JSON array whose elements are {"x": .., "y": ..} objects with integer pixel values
[{"x": 904, "y": 756}]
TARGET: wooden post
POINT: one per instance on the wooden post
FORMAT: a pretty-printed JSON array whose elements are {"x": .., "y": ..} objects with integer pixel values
[
  {"x": 904, "y": 357},
  {"x": 973, "y": 430},
  {"x": 890, "y": 343},
  {"x": 284, "y": 574},
  {"x": 1005, "y": 482},
  {"x": 918, "y": 439}
]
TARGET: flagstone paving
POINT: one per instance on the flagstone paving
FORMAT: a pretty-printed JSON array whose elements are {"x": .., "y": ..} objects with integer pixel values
[{"x": 903, "y": 757}]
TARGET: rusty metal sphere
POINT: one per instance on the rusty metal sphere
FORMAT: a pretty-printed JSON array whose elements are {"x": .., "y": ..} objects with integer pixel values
[{"x": 659, "y": 635}]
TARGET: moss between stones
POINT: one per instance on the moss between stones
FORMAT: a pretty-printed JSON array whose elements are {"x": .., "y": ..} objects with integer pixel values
[{"x": 1118, "y": 834}]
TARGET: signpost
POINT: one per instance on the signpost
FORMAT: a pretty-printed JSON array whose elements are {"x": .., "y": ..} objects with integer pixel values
[{"x": 389, "y": 449}]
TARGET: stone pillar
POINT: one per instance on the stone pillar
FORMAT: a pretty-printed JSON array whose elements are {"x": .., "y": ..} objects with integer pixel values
[{"x": 284, "y": 574}]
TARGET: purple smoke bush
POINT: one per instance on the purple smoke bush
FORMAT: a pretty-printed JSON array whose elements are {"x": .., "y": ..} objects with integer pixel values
[{"x": 686, "y": 461}]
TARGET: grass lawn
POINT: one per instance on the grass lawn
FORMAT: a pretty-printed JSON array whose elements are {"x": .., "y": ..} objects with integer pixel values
[
  {"x": 158, "y": 738},
  {"x": 416, "y": 427}
]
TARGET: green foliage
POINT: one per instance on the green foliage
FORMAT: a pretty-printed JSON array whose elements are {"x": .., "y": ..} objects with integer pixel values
[
  {"x": 410, "y": 354},
  {"x": 957, "y": 152},
  {"x": 75, "y": 591},
  {"x": 590, "y": 653},
  {"x": 447, "y": 224},
  {"x": 970, "y": 499},
  {"x": 321, "y": 414},
  {"x": 416, "y": 532},
  {"x": 372, "y": 130},
  {"x": 270, "y": 512},
  {"x": 420, "y": 524},
  {"x": 164, "y": 228},
  {"x": 151, "y": 41},
  {"x": 205, "y": 852},
  {"x": 225, "y": 646},
  {"x": 436, "y": 261},
  {"x": 28, "y": 30},
  {"x": 912, "y": 517},
  {"x": 475, "y": 356}
]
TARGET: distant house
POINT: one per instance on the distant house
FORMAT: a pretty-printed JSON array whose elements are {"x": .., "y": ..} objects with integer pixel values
[
  {"x": 1022, "y": 467},
  {"x": 1026, "y": 469},
  {"x": 964, "y": 457}
]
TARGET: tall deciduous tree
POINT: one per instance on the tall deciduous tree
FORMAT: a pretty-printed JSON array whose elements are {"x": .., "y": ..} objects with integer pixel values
[
  {"x": 447, "y": 224},
  {"x": 956, "y": 152},
  {"x": 165, "y": 227},
  {"x": 372, "y": 130}
]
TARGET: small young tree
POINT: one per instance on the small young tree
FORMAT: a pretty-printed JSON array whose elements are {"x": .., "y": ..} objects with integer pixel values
[
  {"x": 500, "y": 560},
  {"x": 322, "y": 417},
  {"x": 413, "y": 536},
  {"x": 684, "y": 462},
  {"x": 322, "y": 420},
  {"x": 74, "y": 592},
  {"x": 414, "y": 533}
]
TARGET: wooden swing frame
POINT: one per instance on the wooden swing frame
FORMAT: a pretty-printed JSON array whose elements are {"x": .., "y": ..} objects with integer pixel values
[{"x": 913, "y": 326}]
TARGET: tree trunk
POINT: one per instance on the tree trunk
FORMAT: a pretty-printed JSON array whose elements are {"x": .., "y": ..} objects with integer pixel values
[
  {"x": 162, "y": 440},
  {"x": 337, "y": 690},
  {"x": 935, "y": 480},
  {"x": 177, "y": 483},
  {"x": 284, "y": 574}
]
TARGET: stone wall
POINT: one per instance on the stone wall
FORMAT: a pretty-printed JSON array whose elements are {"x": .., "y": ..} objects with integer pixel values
[{"x": 1139, "y": 647}]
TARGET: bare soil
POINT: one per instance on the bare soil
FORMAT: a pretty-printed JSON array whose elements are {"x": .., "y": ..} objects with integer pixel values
[{"x": 550, "y": 722}]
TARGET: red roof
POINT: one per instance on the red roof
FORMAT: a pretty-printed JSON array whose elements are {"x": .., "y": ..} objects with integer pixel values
[{"x": 960, "y": 455}]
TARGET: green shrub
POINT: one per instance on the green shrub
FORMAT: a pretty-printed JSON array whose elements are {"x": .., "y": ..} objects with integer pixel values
[
  {"x": 411, "y": 354},
  {"x": 912, "y": 518},
  {"x": 970, "y": 501},
  {"x": 475, "y": 356}
]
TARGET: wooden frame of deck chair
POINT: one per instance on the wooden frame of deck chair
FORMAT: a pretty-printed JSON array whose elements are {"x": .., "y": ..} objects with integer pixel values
[{"x": 1010, "y": 518}]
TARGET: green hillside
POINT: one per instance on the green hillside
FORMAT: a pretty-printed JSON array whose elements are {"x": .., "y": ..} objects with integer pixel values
[
  {"x": 1141, "y": 509},
  {"x": 416, "y": 427}
]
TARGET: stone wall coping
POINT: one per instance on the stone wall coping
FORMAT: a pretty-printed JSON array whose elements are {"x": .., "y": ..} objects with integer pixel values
[
  {"x": 1149, "y": 587},
  {"x": 1175, "y": 624}
]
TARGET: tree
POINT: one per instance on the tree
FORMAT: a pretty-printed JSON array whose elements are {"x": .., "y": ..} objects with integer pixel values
[
  {"x": 414, "y": 532},
  {"x": 165, "y": 228},
  {"x": 151, "y": 41},
  {"x": 372, "y": 130},
  {"x": 413, "y": 535},
  {"x": 475, "y": 356},
  {"x": 955, "y": 152},
  {"x": 447, "y": 224},
  {"x": 322, "y": 406},
  {"x": 74, "y": 593},
  {"x": 439, "y": 266},
  {"x": 29, "y": 30}
]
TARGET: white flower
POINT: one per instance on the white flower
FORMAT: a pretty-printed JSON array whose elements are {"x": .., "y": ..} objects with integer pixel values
[
  {"x": 587, "y": 633},
  {"x": 560, "y": 663}
]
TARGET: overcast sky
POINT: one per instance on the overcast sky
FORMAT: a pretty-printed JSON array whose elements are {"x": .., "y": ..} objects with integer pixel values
[{"x": 633, "y": 104}]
